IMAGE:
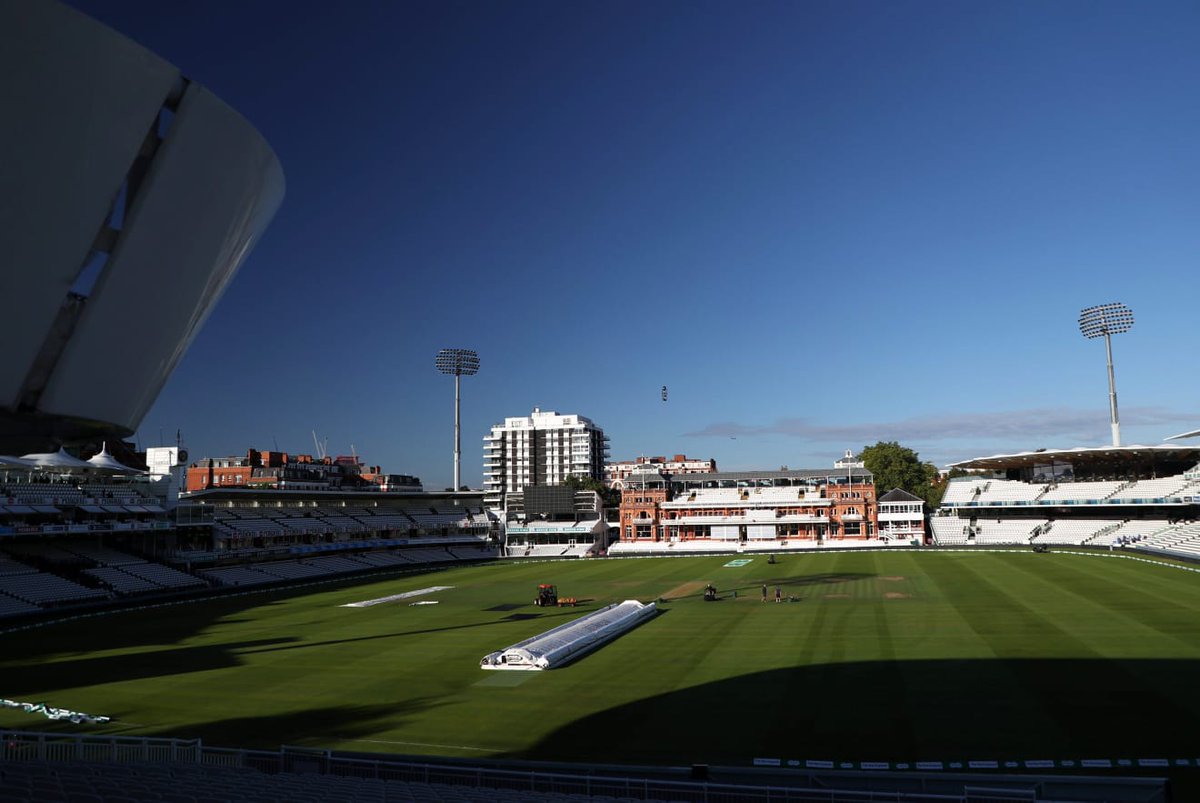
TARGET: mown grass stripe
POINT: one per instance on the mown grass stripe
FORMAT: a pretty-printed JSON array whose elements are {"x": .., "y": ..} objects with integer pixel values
[{"x": 993, "y": 656}]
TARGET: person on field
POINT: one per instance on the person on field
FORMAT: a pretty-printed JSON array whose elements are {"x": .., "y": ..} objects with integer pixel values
[
  {"x": 778, "y": 594},
  {"x": 764, "y": 597}
]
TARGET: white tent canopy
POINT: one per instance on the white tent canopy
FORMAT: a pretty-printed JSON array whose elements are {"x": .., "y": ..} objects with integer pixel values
[
  {"x": 58, "y": 460},
  {"x": 107, "y": 464},
  {"x": 9, "y": 461}
]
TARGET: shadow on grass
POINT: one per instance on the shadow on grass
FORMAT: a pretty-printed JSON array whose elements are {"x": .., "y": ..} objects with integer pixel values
[
  {"x": 787, "y": 584},
  {"x": 37, "y": 678},
  {"x": 516, "y": 617},
  {"x": 33, "y": 677},
  {"x": 905, "y": 711},
  {"x": 824, "y": 579},
  {"x": 133, "y": 628},
  {"x": 306, "y": 726}
]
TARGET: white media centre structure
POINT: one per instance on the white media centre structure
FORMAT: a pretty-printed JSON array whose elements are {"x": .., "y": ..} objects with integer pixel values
[{"x": 132, "y": 195}]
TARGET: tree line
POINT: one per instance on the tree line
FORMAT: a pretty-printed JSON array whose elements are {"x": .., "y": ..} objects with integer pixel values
[{"x": 896, "y": 466}]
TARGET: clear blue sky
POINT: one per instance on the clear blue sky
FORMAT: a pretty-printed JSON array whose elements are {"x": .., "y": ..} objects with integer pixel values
[{"x": 820, "y": 224}]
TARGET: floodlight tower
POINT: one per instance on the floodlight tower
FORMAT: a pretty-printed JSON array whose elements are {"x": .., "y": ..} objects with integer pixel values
[
  {"x": 1105, "y": 321},
  {"x": 460, "y": 363}
]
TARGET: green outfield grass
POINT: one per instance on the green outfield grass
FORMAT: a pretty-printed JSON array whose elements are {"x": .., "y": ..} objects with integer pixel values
[{"x": 885, "y": 656}]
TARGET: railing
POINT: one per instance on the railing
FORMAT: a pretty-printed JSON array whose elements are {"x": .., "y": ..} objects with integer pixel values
[
  {"x": 19, "y": 746},
  {"x": 33, "y": 746},
  {"x": 1117, "y": 490}
]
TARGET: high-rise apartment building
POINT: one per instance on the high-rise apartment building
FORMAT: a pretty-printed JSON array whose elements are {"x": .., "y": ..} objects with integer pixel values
[{"x": 543, "y": 448}]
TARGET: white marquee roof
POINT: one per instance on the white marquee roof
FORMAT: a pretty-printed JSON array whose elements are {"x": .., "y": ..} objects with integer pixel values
[
  {"x": 106, "y": 463},
  {"x": 1081, "y": 454},
  {"x": 59, "y": 459}
]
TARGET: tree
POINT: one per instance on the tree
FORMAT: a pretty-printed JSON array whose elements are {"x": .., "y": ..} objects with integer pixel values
[
  {"x": 610, "y": 497},
  {"x": 896, "y": 466},
  {"x": 938, "y": 488}
]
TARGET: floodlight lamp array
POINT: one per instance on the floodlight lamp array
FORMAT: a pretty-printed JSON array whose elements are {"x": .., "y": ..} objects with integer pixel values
[
  {"x": 457, "y": 362},
  {"x": 1105, "y": 319}
]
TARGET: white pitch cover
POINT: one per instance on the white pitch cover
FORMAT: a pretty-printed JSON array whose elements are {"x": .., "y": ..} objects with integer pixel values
[{"x": 567, "y": 642}]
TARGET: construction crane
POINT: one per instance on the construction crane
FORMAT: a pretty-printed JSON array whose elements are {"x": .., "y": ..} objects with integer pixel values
[{"x": 320, "y": 447}]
